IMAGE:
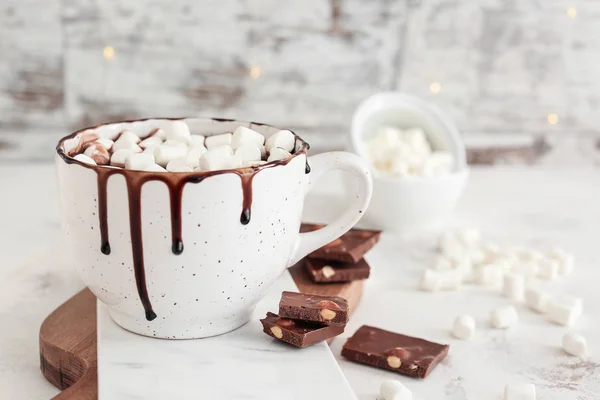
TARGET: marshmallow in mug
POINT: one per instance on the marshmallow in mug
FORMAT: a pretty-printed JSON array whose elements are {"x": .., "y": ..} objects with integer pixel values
[
  {"x": 406, "y": 153},
  {"x": 173, "y": 148}
]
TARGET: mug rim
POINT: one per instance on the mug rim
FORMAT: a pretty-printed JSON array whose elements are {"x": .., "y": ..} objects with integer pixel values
[{"x": 60, "y": 152}]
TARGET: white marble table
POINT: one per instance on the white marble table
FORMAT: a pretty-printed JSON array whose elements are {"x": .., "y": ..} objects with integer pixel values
[{"x": 518, "y": 205}]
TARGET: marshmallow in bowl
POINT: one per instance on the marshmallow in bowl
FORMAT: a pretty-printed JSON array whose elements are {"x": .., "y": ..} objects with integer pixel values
[
  {"x": 85, "y": 159},
  {"x": 179, "y": 165},
  {"x": 248, "y": 152},
  {"x": 406, "y": 154},
  {"x": 220, "y": 157},
  {"x": 128, "y": 136},
  {"x": 126, "y": 144},
  {"x": 218, "y": 140},
  {"x": 117, "y": 159},
  {"x": 173, "y": 148},
  {"x": 278, "y": 154},
  {"x": 139, "y": 161},
  {"x": 283, "y": 139},
  {"x": 151, "y": 141},
  {"x": 178, "y": 131},
  {"x": 168, "y": 152},
  {"x": 243, "y": 135}
]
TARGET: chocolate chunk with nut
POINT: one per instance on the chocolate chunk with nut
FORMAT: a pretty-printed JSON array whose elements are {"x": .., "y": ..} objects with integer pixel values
[
  {"x": 403, "y": 354},
  {"x": 323, "y": 271},
  {"x": 298, "y": 333},
  {"x": 350, "y": 247},
  {"x": 326, "y": 310}
]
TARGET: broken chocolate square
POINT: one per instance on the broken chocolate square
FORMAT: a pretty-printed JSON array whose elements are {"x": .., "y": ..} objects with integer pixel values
[
  {"x": 350, "y": 247},
  {"x": 326, "y": 310},
  {"x": 403, "y": 354},
  {"x": 298, "y": 333}
]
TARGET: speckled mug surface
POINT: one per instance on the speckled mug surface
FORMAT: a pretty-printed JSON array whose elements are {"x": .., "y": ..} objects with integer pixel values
[{"x": 226, "y": 266}]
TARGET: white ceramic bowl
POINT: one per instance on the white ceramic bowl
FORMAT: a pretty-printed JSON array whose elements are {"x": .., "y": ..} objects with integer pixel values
[{"x": 419, "y": 204}]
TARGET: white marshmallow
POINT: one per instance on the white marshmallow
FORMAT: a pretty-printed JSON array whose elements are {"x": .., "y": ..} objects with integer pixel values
[
  {"x": 174, "y": 143},
  {"x": 217, "y": 158},
  {"x": 218, "y": 140},
  {"x": 282, "y": 139},
  {"x": 150, "y": 149},
  {"x": 118, "y": 157},
  {"x": 565, "y": 310},
  {"x": 438, "y": 163},
  {"x": 463, "y": 327},
  {"x": 151, "y": 141},
  {"x": 537, "y": 299},
  {"x": 566, "y": 261},
  {"x": 155, "y": 168},
  {"x": 436, "y": 280},
  {"x": 514, "y": 286},
  {"x": 139, "y": 161},
  {"x": 178, "y": 131},
  {"x": 451, "y": 247},
  {"x": 504, "y": 317},
  {"x": 253, "y": 163},
  {"x": 431, "y": 281},
  {"x": 105, "y": 142},
  {"x": 548, "y": 268},
  {"x": 394, "y": 390},
  {"x": 84, "y": 159},
  {"x": 194, "y": 154},
  {"x": 278, "y": 154},
  {"x": 243, "y": 135},
  {"x": 398, "y": 168},
  {"x": 168, "y": 152},
  {"x": 179, "y": 165},
  {"x": 248, "y": 152},
  {"x": 491, "y": 252},
  {"x": 469, "y": 237},
  {"x": 128, "y": 136},
  {"x": 528, "y": 255},
  {"x": 126, "y": 145},
  {"x": 467, "y": 271},
  {"x": 417, "y": 140},
  {"x": 527, "y": 269},
  {"x": 477, "y": 257},
  {"x": 441, "y": 263},
  {"x": 197, "y": 141},
  {"x": 574, "y": 344},
  {"x": 490, "y": 275},
  {"x": 159, "y": 133},
  {"x": 519, "y": 391}
]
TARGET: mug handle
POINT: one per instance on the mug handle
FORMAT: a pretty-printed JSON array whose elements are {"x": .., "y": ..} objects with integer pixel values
[{"x": 310, "y": 241}]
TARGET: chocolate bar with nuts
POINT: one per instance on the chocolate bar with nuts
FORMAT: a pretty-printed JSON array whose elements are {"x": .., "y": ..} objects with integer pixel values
[
  {"x": 350, "y": 247},
  {"x": 392, "y": 351},
  {"x": 298, "y": 333},
  {"x": 325, "y": 310},
  {"x": 324, "y": 271}
]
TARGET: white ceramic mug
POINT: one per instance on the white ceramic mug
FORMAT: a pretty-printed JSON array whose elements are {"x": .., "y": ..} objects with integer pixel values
[{"x": 226, "y": 267}]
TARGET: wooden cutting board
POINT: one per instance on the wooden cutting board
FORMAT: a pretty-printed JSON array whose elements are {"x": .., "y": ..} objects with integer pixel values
[{"x": 68, "y": 357}]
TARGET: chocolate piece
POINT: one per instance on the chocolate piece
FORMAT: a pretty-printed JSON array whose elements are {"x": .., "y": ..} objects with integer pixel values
[
  {"x": 324, "y": 271},
  {"x": 326, "y": 310},
  {"x": 388, "y": 350},
  {"x": 350, "y": 247},
  {"x": 298, "y": 333}
]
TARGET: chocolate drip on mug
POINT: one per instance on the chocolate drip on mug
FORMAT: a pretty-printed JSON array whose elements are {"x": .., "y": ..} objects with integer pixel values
[
  {"x": 307, "y": 168},
  {"x": 175, "y": 183},
  {"x": 175, "y": 195},
  {"x": 134, "y": 191},
  {"x": 247, "y": 199},
  {"x": 102, "y": 179}
]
